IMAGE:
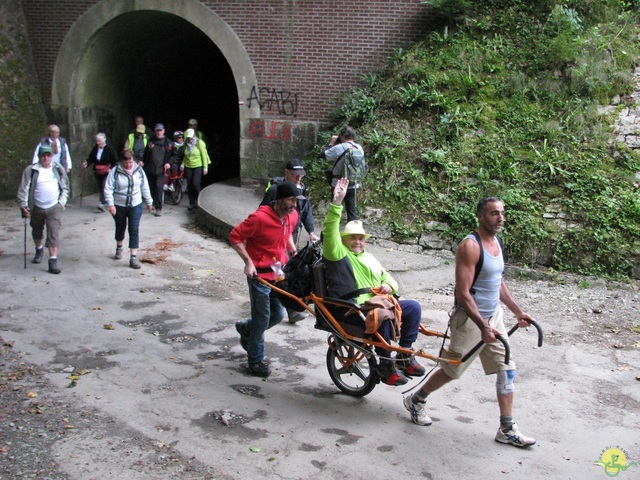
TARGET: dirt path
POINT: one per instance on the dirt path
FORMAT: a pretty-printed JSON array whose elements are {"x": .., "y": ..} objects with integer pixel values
[{"x": 161, "y": 392}]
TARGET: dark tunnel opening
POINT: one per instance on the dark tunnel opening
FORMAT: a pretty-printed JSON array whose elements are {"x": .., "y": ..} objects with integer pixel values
[{"x": 169, "y": 71}]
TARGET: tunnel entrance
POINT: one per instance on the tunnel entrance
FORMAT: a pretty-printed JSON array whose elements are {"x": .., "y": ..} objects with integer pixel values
[
  {"x": 169, "y": 71},
  {"x": 126, "y": 60},
  {"x": 159, "y": 66}
]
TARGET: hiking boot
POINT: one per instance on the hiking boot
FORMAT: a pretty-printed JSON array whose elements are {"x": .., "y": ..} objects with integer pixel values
[
  {"x": 243, "y": 329},
  {"x": 389, "y": 373},
  {"x": 37, "y": 258},
  {"x": 259, "y": 369},
  {"x": 409, "y": 365},
  {"x": 134, "y": 263},
  {"x": 514, "y": 437},
  {"x": 118, "y": 254},
  {"x": 295, "y": 317},
  {"x": 53, "y": 266},
  {"x": 417, "y": 410}
]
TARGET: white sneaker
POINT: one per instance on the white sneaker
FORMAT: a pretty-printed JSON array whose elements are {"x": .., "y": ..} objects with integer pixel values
[
  {"x": 514, "y": 437},
  {"x": 418, "y": 411},
  {"x": 171, "y": 188},
  {"x": 165, "y": 187}
]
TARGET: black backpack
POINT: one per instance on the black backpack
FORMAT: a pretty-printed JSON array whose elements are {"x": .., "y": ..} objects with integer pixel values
[{"x": 298, "y": 273}]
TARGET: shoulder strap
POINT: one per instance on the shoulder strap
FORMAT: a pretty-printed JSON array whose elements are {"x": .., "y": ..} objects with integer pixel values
[
  {"x": 337, "y": 160},
  {"x": 480, "y": 262},
  {"x": 340, "y": 156}
]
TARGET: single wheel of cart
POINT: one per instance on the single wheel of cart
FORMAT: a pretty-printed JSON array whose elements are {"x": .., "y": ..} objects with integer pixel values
[
  {"x": 351, "y": 368},
  {"x": 179, "y": 187}
]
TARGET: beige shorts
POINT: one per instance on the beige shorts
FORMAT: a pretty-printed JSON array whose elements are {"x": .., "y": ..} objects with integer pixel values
[{"x": 465, "y": 334}]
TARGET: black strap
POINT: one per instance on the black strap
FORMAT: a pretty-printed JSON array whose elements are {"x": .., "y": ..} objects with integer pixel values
[
  {"x": 264, "y": 270},
  {"x": 337, "y": 160},
  {"x": 480, "y": 262},
  {"x": 356, "y": 293}
]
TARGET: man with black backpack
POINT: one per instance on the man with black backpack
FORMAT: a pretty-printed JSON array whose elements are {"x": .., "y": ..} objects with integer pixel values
[
  {"x": 477, "y": 315},
  {"x": 349, "y": 162},
  {"x": 294, "y": 172},
  {"x": 156, "y": 161}
]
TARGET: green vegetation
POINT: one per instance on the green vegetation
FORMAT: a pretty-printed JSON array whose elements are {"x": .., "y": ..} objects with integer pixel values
[
  {"x": 500, "y": 98},
  {"x": 21, "y": 112}
]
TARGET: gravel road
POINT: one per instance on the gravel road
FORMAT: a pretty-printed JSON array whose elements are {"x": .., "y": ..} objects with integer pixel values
[{"x": 108, "y": 372}]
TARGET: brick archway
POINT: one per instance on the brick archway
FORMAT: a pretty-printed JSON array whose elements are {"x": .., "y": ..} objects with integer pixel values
[{"x": 168, "y": 60}]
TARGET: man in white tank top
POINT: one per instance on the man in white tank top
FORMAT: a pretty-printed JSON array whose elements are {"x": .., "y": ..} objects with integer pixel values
[{"x": 478, "y": 316}]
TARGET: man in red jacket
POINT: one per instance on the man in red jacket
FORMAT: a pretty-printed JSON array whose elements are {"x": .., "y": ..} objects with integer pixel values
[{"x": 262, "y": 239}]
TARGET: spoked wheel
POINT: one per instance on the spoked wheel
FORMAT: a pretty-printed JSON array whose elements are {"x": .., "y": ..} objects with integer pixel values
[
  {"x": 176, "y": 194},
  {"x": 350, "y": 369}
]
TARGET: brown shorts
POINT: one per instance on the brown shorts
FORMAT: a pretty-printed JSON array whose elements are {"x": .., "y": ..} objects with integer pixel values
[
  {"x": 52, "y": 219},
  {"x": 465, "y": 334}
]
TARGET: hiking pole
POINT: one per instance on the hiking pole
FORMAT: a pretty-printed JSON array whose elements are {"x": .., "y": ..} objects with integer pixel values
[
  {"x": 25, "y": 240},
  {"x": 84, "y": 170}
]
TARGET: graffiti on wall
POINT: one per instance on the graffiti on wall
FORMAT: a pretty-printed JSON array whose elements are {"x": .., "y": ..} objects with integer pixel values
[
  {"x": 272, "y": 100},
  {"x": 270, "y": 130}
]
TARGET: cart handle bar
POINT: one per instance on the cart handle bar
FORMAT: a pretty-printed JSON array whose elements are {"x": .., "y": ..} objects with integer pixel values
[{"x": 507, "y": 350}]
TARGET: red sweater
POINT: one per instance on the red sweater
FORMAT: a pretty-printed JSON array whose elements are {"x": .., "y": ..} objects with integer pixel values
[{"x": 265, "y": 237}]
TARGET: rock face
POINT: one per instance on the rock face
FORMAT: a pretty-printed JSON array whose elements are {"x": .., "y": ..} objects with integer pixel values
[
  {"x": 22, "y": 108},
  {"x": 627, "y": 124}
]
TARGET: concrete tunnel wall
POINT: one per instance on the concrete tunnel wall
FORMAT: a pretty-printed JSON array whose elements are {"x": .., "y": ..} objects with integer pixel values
[{"x": 167, "y": 61}]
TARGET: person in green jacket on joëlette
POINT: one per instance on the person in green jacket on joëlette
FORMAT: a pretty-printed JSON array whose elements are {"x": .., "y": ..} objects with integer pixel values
[{"x": 350, "y": 271}]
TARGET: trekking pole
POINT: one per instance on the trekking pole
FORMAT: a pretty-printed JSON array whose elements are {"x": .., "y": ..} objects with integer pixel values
[
  {"x": 25, "y": 240},
  {"x": 84, "y": 170}
]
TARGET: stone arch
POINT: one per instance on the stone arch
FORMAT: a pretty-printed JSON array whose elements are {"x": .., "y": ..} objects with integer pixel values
[{"x": 93, "y": 88}]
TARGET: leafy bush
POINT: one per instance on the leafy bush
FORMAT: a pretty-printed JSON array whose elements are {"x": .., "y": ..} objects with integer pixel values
[{"x": 500, "y": 98}]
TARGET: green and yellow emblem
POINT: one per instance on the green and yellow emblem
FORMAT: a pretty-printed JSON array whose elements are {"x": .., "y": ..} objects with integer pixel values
[{"x": 614, "y": 461}]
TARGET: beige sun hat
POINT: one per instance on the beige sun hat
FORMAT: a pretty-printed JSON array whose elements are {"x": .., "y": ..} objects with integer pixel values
[{"x": 354, "y": 227}]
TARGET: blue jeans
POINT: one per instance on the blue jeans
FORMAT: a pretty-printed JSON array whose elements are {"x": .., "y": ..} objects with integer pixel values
[
  {"x": 411, "y": 316},
  {"x": 130, "y": 215},
  {"x": 266, "y": 312}
]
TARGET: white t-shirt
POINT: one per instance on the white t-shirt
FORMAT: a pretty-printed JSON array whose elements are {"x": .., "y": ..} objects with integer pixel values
[{"x": 47, "y": 189}]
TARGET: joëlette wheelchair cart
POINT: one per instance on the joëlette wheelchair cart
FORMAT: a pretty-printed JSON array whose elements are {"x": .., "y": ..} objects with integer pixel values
[
  {"x": 178, "y": 185},
  {"x": 351, "y": 359}
]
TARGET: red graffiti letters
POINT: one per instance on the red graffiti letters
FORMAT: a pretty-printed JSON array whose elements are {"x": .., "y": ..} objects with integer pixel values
[{"x": 270, "y": 130}]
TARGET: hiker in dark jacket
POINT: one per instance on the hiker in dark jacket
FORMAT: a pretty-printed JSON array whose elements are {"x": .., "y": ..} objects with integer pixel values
[{"x": 156, "y": 160}]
